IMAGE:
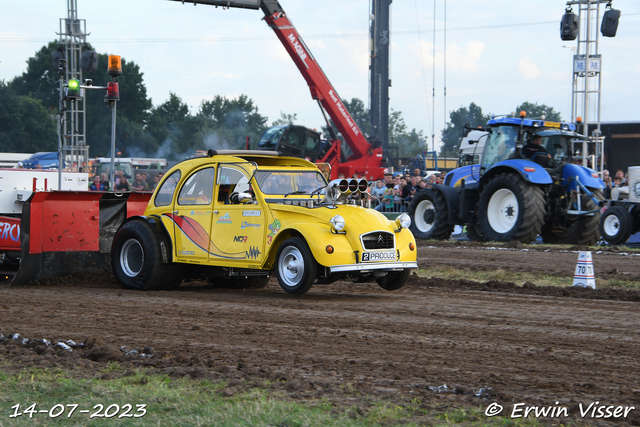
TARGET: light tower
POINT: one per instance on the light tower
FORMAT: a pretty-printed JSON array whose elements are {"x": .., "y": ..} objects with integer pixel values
[
  {"x": 379, "y": 80},
  {"x": 73, "y": 37},
  {"x": 587, "y": 67}
]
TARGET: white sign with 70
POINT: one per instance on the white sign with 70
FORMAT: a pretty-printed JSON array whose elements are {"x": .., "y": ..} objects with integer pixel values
[{"x": 584, "y": 271}]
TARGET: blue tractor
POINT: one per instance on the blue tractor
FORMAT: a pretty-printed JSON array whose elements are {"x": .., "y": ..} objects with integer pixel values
[{"x": 511, "y": 197}]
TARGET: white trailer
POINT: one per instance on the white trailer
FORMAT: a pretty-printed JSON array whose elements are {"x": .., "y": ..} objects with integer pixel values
[{"x": 16, "y": 185}]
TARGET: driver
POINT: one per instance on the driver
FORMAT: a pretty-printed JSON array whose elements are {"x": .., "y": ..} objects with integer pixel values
[
  {"x": 534, "y": 147},
  {"x": 283, "y": 185}
]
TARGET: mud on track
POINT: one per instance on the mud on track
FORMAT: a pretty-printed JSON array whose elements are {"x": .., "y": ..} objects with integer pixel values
[{"x": 493, "y": 340}]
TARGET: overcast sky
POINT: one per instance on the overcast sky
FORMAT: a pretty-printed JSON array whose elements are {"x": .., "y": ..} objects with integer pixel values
[{"x": 499, "y": 53}]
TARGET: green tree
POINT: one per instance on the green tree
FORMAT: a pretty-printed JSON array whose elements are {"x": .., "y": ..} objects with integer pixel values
[
  {"x": 42, "y": 82},
  {"x": 231, "y": 122},
  {"x": 25, "y": 125},
  {"x": 285, "y": 119},
  {"x": 453, "y": 131},
  {"x": 360, "y": 114},
  {"x": 539, "y": 110},
  {"x": 406, "y": 144},
  {"x": 170, "y": 128}
]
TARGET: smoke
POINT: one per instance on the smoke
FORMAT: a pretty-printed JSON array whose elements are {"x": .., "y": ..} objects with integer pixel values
[
  {"x": 168, "y": 151},
  {"x": 213, "y": 141}
]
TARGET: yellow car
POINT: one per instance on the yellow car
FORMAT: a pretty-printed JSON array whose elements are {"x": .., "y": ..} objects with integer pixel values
[{"x": 237, "y": 217}]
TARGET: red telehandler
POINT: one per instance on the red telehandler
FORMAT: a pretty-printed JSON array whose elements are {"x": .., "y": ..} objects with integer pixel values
[{"x": 366, "y": 159}]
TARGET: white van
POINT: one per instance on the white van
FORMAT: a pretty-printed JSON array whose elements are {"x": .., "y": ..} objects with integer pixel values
[{"x": 471, "y": 147}]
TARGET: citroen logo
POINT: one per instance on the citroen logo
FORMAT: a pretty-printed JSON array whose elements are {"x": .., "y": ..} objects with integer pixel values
[{"x": 380, "y": 238}]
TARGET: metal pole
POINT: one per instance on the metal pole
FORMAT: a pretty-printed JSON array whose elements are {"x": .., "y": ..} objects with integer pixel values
[
  {"x": 585, "y": 119},
  {"x": 60, "y": 130},
  {"x": 113, "y": 144}
]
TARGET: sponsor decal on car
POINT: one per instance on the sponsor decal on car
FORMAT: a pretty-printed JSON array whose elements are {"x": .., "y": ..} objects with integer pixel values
[
  {"x": 251, "y": 213},
  {"x": 241, "y": 239},
  {"x": 195, "y": 213},
  {"x": 273, "y": 228},
  {"x": 224, "y": 219},
  {"x": 246, "y": 224}
]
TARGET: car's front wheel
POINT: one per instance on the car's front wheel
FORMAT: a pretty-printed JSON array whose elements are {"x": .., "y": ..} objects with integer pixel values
[
  {"x": 137, "y": 262},
  {"x": 394, "y": 280},
  {"x": 296, "y": 268}
]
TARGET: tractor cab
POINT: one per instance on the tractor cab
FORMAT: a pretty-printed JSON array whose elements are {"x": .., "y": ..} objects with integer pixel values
[
  {"x": 508, "y": 137},
  {"x": 292, "y": 140}
]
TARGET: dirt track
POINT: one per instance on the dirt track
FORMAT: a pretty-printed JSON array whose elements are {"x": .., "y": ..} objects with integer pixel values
[{"x": 495, "y": 340}]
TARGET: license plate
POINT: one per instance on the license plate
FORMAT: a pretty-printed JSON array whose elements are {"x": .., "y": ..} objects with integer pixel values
[{"x": 378, "y": 256}]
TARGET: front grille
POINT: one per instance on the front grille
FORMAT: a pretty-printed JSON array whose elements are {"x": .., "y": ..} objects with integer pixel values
[{"x": 378, "y": 240}]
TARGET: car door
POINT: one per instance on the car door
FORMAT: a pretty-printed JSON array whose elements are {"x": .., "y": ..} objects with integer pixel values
[
  {"x": 192, "y": 216},
  {"x": 237, "y": 229}
]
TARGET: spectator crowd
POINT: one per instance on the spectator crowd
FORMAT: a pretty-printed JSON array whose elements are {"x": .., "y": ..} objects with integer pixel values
[{"x": 123, "y": 183}]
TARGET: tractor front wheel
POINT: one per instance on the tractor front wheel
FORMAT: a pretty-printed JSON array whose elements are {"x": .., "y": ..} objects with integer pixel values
[
  {"x": 615, "y": 225},
  {"x": 429, "y": 214}
]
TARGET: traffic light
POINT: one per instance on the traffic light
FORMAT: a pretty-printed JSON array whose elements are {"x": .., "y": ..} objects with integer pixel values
[
  {"x": 113, "y": 92},
  {"x": 115, "y": 66},
  {"x": 89, "y": 60},
  {"x": 72, "y": 91}
]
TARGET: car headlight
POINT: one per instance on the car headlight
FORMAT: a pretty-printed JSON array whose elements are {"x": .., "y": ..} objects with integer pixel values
[
  {"x": 337, "y": 222},
  {"x": 403, "y": 221}
]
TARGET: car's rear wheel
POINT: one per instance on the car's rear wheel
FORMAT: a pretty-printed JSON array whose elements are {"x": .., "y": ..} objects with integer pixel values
[
  {"x": 394, "y": 280},
  {"x": 296, "y": 268},
  {"x": 137, "y": 262}
]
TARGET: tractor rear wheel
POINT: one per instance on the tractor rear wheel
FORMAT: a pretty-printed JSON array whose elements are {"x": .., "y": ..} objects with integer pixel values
[
  {"x": 511, "y": 209},
  {"x": 615, "y": 225},
  {"x": 429, "y": 214},
  {"x": 137, "y": 261},
  {"x": 474, "y": 233},
  {"x": 582, "y": 230}
]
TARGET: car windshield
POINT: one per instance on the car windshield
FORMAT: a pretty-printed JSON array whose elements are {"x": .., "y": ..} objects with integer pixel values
[
  {"x": 290, "y": 182},
  {"x": 501, "y": 145},
  {"x": 270, "y": 137}
]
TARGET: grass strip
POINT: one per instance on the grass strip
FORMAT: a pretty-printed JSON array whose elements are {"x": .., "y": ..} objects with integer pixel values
[{"x": 189, "y": 402}]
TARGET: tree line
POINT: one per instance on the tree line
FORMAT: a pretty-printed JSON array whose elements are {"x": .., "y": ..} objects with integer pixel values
[{"x": 29, "y": 104}]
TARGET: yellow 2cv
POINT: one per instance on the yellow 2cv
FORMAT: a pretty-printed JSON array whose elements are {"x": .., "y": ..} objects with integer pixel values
[{"x": 237, "y": 217}]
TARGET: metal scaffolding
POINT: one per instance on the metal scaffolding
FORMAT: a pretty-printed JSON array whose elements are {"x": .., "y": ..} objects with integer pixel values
[
  {"x": 587, "y": 80},
  {"x": 73, "y": 37}
]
